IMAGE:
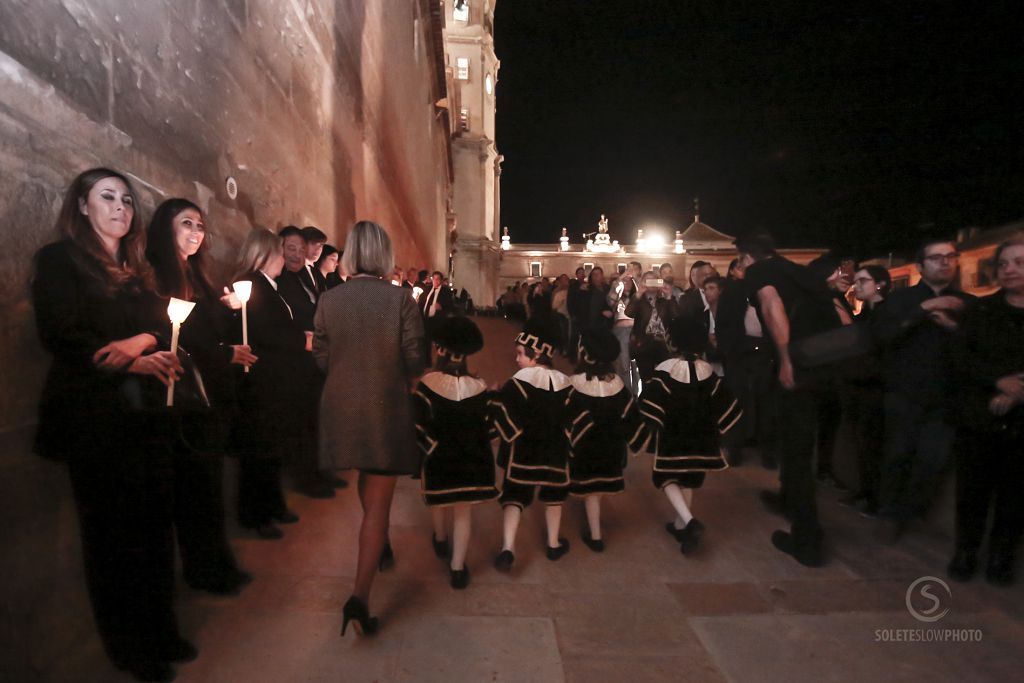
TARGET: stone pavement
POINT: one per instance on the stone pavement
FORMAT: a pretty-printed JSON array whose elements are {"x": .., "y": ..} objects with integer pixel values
[{"x": 736, "y": 611}]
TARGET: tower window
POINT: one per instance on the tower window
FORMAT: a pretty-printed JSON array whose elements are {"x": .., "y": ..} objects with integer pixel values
[
  {"x": 462, "y": 68},
  {"x": 460, "y": 12},
  {"x": 489, "y": 84},
  {"x": 464, "y": 119}
]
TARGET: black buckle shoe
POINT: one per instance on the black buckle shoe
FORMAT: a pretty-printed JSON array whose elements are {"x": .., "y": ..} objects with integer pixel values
[
  {"x": 558, "y": 551},
  {"x": 441, "y": 548},
  {"x": 503, "y": 562},
  {"x": 690, "y": 536},
  {"x": 460, "y": 578}
]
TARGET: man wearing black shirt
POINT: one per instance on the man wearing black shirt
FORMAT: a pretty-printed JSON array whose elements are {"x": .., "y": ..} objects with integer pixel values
[
  {"x": 792, "y": 305},
  {"x": 915, "y": 328}
]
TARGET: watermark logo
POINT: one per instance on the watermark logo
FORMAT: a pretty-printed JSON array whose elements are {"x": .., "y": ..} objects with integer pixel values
[
  {"x": 922, "y": 601},
  {"x": 927, "y": 600}
]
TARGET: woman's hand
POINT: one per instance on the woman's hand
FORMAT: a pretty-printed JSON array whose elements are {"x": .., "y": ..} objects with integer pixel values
[
  {"x": 241, "y": 354},
  {"x": 230, "y": 300},
  {"x": 309, "y": 340},
  {"x": 1001, "y": 404},
  {"x": 119, "y": 354},
  {"x": 163, "y": 365},
  {"x": 1012, "y": 385}
]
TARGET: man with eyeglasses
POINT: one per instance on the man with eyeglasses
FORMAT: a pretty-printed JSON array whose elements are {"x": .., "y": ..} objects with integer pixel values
[{"x": 914, "y": 328}]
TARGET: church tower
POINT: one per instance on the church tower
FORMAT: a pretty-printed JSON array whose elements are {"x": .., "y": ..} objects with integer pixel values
[{"x": 469, "y": 42}]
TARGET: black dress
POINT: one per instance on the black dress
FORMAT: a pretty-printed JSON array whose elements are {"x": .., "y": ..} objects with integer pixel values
[
  {"x": 119, "y": 459},
  {"x": 454, "y": 431},
  {"x": 686, "y": 407},
  {"x": 269, "y": 396},
  {"x": 206, "y": 556},
  {"x": 529, "y": 414},
  {"x": 603, "y": 419}
]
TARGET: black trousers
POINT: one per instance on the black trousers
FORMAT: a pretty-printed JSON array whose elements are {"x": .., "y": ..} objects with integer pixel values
[
  {"x": 199, "y": 516},
  {"x": 260, "y": 497},
  {"x": 751, "y": 376},
  {"x": 798, "y": 417},
  {"x": 862, "y": 404},
  {"x": 989, "y": 475},
  {"x": 830, "y": 414},
  {"x": 124, "y": 501}
]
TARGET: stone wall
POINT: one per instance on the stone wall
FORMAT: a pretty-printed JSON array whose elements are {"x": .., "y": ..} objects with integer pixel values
[{"x": 323, "y": 110}]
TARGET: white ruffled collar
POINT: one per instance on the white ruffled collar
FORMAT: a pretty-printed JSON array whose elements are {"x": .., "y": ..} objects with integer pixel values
[
  {"x": 679, "y": 370},
  {"x": 543, "y": 377},
  {"x": 596, "y": 387},
  {"x": 453, "y": 388}
]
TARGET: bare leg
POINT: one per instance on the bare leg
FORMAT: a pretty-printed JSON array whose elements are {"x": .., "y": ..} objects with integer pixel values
[
  {"x": 460, "y": 535},
  {"x": 512, "y": 514},
  {"x": 676, "y": 496},
  {"x": 688, "y": 497},
  {"x": 593, "y": 507},
  {"x": 437, "y": 517},
  {"x": 553, "y": 517},
  {"x": 375, "y": 493}
]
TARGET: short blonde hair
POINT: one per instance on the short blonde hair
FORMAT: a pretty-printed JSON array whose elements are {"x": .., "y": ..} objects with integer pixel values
[
  {"x": 368, "y": 250},
  {"x": 259, "y": 246}
]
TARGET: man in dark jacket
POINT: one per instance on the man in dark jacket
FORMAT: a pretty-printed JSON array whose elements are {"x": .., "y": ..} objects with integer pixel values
[
  {"x": 914, "y": 329},
  {"x": 792, "y": 305}
]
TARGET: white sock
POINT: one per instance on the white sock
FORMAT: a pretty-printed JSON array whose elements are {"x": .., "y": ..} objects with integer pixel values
[
  {"x": 437, "y": 516},
  {"x": 512, "y": 513},
  {"x": 593, "y": 507},
  {"x": 553, "y": 517},
  {"x": 676, "y": 496},
  {"x": 460, "y": 535}
]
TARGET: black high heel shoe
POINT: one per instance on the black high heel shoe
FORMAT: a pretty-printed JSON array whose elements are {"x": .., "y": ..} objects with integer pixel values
[
  {"x": 387, "y": 558},
  {"x": 356, "y": 612}
]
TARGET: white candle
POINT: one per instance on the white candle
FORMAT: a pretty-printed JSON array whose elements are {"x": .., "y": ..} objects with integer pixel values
[
  {"x": 243, "y": 290},
  {"x": 177, "y": 311}
]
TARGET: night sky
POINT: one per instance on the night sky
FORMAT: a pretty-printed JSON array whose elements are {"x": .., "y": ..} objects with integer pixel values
[{"x": 863, "y": 127}]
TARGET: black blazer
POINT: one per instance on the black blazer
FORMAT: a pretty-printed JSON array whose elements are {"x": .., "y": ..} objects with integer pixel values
[
  {"x": 278, "y": 341},
  {"x": 80, "y": 410},
  {"x": 444, "y": 297},
  {"x": 290, "y": 287}
]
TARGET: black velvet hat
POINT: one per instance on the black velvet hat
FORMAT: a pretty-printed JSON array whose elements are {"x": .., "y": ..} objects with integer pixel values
[
  {"x": 459, "y": 336},
  {"x": 599, "y": 346},
  {"x": 686, "y": 334},
  {"x": 542, "y": 335}
]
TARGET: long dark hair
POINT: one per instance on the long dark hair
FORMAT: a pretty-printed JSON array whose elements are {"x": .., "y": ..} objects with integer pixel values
[
  {"x": 177, "y": 277},
  {"x": 89, "y": 255}
]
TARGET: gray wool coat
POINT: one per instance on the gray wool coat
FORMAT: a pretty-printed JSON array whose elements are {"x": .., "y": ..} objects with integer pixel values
[{"x": 369, "y": 341}]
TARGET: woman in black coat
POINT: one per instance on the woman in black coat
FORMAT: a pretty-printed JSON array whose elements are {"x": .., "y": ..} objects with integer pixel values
[
  {"x": 268, "y": 393},
  {"x": 98, "y": 316},
  {"x": 176, "y": 248},
  {"x": 989, "y": 446}
]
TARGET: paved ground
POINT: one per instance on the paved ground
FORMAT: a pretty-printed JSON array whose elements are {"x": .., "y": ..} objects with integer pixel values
[{"x": 736, "y": 611}]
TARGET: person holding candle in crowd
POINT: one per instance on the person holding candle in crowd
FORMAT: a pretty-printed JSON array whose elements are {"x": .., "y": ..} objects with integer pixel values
[
  {"x": 177, "y": 250},
  {"x": 454, "y": 432},
  {"x": 369, "y": 341},
  {"x": 97, "y": 314},
  {"x": 267, "y": 393}
]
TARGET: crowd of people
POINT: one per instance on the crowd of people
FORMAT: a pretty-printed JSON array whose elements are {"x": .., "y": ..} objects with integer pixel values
[{"x": 322, "y": 368}]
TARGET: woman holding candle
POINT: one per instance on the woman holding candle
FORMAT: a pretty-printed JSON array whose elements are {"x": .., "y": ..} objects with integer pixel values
[
  {"x": 267, "y": 395},
  {"x": 369, "y": 340},
  {"x": 97, "y": 314},
  {"x": 177, "y": 250}
]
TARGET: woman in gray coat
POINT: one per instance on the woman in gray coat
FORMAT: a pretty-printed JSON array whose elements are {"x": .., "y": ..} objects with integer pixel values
[{"x": 369, "y": 341}]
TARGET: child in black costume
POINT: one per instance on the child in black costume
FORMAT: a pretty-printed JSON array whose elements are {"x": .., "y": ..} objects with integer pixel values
[
  {"x": 603, "y": 418},
  {"x": 686, "y": 406},
  {"x": 454, "y": 432},
  {"x": 529, "y": 414}
]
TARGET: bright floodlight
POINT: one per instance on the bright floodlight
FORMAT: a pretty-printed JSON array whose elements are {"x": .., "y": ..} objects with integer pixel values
[
  {"x": 178, "y": 310},
  {"x": 243, "y": 290}
]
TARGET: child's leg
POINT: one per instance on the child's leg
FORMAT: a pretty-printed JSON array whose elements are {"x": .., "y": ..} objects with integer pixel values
[
  {"x": 688, "y": 497},
  {"x": 676, "y": 497},
  {"x": 553, "y": 517},
  {"x": 512, "y": 514},
  {"x": 593, "y": 507},
  {"x": 460, "y": 535},
  {"x": 437, "y": 516}
]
